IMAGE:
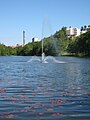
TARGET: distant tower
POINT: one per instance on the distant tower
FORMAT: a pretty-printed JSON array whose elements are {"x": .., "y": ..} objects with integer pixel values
[{"x": 23, "y": 38}]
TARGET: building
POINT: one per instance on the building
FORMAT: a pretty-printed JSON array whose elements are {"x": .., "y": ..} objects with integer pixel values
[
  {"x": 72, "y": 31},
  {"x": 23, "y": 38},
  {"x": 34, "y": 39}
]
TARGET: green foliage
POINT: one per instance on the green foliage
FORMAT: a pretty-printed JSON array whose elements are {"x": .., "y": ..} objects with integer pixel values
[
  {"x": 81, "y": 45},
  {"x": 57, "y": 44},
  {"x": 50, "y": 47},
  {"x": 36, "y": 48},
  {"x": 29, "y": 49},
  {"x": 18, "y": 50},
  {"x": 84, "y": 44},
  {"x": 61, "y": 34},
  {"x": 62, "y": 40},
  {"x": 4, "y": 50}
]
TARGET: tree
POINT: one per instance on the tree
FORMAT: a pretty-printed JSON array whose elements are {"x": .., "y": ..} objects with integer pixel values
[{"x": 81, "y": 45}]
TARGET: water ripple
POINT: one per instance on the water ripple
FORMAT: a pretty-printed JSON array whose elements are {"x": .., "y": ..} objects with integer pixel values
[{"x": 30, "y": 91}]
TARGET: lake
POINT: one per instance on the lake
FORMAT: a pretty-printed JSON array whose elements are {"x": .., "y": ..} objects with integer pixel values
[{"x": 44, "y": 91}]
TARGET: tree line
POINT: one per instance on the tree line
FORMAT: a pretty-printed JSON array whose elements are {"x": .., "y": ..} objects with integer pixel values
[{"x": 57, "y": 44}]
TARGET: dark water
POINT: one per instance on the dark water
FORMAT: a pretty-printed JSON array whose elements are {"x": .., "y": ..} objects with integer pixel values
[{"x": 37, "y": 91}]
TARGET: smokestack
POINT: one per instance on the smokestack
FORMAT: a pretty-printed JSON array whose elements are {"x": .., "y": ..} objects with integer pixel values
[{"x": 23, "y": 38}]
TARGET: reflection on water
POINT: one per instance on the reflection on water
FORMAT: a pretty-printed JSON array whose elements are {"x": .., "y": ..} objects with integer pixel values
[{"x": 37, "y": 91}]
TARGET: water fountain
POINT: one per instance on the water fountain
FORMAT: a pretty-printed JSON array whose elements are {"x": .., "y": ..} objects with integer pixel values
[
  {"x": 35, "y": 58},
  {"x": 46, "y": 59}
]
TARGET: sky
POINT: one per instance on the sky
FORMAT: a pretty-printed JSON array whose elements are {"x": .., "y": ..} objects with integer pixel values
[{"x": 39, "y": 18}]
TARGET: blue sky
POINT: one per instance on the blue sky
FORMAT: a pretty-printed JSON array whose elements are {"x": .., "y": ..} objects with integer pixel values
[{"x": 39, "y": 18}]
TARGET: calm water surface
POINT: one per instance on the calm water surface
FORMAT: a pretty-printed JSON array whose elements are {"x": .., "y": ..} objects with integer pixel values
[{"x": 38, "y": 91}]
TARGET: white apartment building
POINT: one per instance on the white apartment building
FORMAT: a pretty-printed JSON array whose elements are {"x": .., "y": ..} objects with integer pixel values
[{"x": 72, "y": 31}]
